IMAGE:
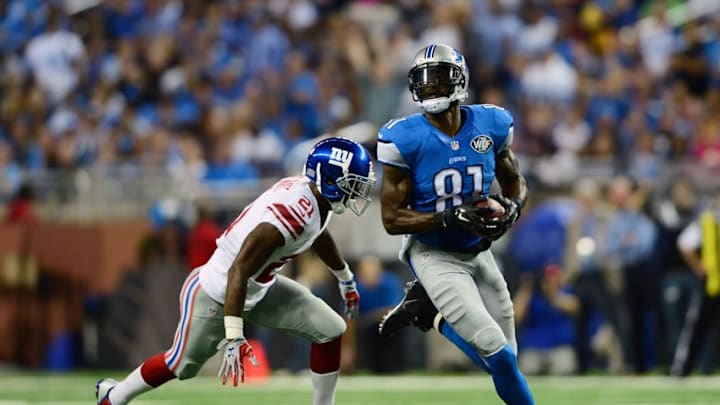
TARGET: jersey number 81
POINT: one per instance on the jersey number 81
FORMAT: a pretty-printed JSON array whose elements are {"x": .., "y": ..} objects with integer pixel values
[{"x": 449, "y": 182}]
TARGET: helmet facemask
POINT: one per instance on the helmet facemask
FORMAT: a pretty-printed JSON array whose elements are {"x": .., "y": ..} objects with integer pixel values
[
  {"x": 354, "y": 191},
  {"x": 357, "y": 191},
  {"x": 434, "y": 86}
]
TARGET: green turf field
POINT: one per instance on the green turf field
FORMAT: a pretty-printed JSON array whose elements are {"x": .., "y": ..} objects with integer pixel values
[{"x": 76, "y": 389}]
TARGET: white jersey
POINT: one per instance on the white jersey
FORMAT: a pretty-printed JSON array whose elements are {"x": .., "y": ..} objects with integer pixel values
[
  {"x": 292, "y": 208},
  {"x": 51, "y": 57}
]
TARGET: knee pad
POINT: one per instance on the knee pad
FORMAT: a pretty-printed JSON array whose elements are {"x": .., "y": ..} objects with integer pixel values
[{"x": 489, "y": 340}]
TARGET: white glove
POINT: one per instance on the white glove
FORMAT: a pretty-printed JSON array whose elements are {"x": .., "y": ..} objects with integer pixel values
[
  {"x": 349, "y": 292},
  {"x": 236, "y": 350},
  {"x": 233, "y": 367}
]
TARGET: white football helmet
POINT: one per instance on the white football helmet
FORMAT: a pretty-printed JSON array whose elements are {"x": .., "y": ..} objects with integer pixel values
[{"x": 439, "y": 76}]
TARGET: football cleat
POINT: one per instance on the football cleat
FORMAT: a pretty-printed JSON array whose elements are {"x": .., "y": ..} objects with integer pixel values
[
  {"x": 102, "y": 390},
  {"x": 415, "y": 309}
]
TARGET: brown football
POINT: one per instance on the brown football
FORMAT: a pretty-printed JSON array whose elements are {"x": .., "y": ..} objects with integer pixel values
[{"x": 496, "y": 209}]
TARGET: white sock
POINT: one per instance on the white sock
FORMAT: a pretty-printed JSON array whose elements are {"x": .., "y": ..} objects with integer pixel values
[
  {"x": 132, "y": 386},
  {"x": 323, "y": 387}
]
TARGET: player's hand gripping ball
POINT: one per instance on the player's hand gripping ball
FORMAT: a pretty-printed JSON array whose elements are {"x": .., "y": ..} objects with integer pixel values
[
  {"x": 490, "y": 217},
  {"x": 490, "y": 208}
]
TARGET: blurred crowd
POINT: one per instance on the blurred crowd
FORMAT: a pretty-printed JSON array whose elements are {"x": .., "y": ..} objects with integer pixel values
[
  {"x": 618, "y": 276},
  {"x": 214, "y": 90}
]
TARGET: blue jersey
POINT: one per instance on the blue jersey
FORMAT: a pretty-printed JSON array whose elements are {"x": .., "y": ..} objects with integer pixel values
[{"x": 447, "y": 170}]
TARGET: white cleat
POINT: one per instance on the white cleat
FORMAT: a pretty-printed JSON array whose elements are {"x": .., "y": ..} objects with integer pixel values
[{"x": 102, "y": 390}]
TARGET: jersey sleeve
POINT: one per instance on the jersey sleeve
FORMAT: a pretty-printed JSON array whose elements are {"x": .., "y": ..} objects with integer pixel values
[
  {"x": 503, "y": 130},
  {"x": 396, "y": 146}
]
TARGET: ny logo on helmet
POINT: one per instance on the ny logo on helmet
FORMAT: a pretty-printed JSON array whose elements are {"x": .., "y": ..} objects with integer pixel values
[{"x": 340, "y": 157}]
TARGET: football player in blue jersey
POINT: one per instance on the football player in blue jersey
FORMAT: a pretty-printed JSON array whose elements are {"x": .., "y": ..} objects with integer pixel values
[{"x": 438, "y": 168}]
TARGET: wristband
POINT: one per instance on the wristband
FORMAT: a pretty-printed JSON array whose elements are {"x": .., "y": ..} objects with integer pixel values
[
  {"x": 233, "y": 327},
  {"x": 343, "y": 274}
]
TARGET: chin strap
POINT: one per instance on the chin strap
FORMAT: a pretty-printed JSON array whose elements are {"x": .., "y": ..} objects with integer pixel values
[
  {"x": 435, "y": 105},
  {"x": 337, "y": 207}
]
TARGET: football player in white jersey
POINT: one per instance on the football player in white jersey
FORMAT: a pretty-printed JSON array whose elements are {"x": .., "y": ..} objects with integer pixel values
[{"x": 240, "y": 281}]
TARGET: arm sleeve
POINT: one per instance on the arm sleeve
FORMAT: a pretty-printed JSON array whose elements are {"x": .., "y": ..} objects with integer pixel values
[
  {"x": 396, "y": 145},
  {"x": 504, "y": 125},
  {"x": 389, "y": 154}
]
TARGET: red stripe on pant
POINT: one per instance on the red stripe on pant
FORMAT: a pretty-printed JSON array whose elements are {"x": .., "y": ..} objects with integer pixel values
[
  {"x": 155, "y": 372},
  {"x": 325, "y": 357}
]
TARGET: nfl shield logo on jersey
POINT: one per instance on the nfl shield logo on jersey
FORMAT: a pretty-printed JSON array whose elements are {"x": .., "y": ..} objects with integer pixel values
[
  {"x": 455, "y": 145},
  {"x": 481, "y": 143}
]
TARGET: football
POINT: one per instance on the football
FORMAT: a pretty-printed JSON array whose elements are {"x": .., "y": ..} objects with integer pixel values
[{"x": 495, "y": 209}]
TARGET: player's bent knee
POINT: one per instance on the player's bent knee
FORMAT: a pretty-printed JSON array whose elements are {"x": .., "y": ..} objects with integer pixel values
[
  {"x": 332, "y": 328},
  {"x": 489, "y": 340},
  {"x": 187, "y": 371}
]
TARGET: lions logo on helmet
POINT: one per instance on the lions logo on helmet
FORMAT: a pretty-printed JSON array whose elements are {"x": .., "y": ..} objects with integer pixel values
[
  {"x": 342, "y": 171},
  {"x": 438, "y": 77}
]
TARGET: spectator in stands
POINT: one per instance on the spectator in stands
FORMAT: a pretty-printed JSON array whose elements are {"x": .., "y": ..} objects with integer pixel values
[
  {"x": 57, "y": 58},
  {"x": 10, "y": 173},
  {"x": 544, "y": 310},
  {"x": 21, "y": 208},
  {"x": 201, "y": 238}
]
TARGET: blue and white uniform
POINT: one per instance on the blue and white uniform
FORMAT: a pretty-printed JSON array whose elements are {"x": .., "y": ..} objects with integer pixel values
[{"x": 446, "y": 171}]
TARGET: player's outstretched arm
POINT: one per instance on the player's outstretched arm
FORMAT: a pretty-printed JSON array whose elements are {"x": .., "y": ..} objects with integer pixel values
[
  {"x": 326, "y": 249},
  {"x": 258, "y": 246},
  {"x": 395, "y": 197}
]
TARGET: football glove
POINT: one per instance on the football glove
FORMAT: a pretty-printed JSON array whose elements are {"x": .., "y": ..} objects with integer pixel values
[
  {"x": 349, "y": 292},
  {"x": 462, "y": 216},
  {"x": 233, "y": 364},
  {"x": 512, "y": 206},
  {"x": 494, "y": 229},
  {"x": 469, "y": 217}
]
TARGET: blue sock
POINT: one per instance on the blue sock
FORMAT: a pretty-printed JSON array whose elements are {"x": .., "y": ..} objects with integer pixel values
[
  {"x": 449, "y": 333},
  {"x": 509, "y": 382}
]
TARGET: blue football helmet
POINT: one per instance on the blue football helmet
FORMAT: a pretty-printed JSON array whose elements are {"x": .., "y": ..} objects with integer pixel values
[
  {"x": 343, "y": 172},
  {"x": 438, "y": 77}
]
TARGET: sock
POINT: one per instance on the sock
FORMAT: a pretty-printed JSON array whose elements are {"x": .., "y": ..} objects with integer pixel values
[
  {"x": 149, "y": 375},
  {"x": 324, "y": 387},
  {"x": 446, "y": 330},
  {"x": 510, "y": 383},
  {"x": 324, "y": 370}
]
